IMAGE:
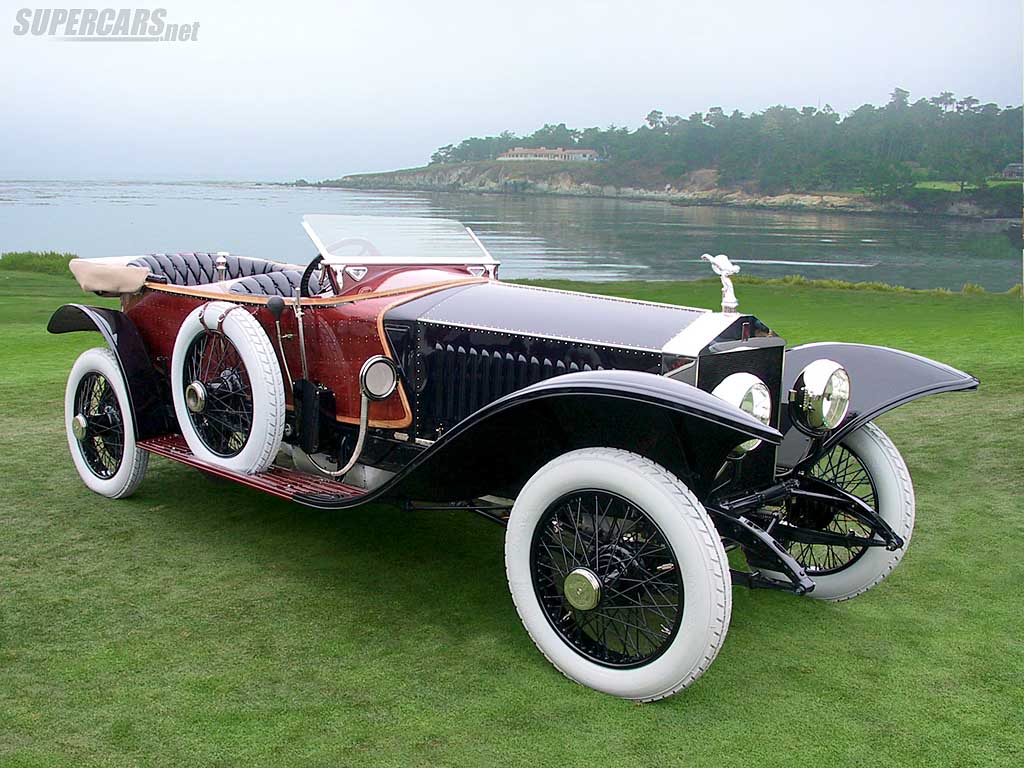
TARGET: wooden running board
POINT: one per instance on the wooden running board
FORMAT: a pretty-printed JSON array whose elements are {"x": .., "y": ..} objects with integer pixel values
[{"x": 284, "y": 483}]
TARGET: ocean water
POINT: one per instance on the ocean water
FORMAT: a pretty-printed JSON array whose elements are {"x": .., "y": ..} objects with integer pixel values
[{"x": 533, "y": 236}]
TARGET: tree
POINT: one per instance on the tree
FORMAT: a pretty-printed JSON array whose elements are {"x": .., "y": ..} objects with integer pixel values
[
  {"x": 782, "y": 149},
  {"x": 443, "y": 155},
  {"x": 655, "y": 119},
  {"x": 966, "y": 104},
  {"x": 944, "y": 100},
  {"x": 885, "y": 180},
  {"x": 553, "y": 136},
  {"x": 899, "y": 99},
  {"x": 715, "y": 117}
]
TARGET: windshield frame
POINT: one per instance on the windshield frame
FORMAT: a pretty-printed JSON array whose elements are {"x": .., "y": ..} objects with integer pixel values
[{"x": 395, "y": 240}]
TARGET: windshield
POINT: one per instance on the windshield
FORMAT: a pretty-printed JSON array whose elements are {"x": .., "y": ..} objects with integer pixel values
[{"x": 394, "y": 240}]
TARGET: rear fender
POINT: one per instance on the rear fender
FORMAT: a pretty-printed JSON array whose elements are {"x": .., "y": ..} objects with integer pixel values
[
  {"x": 499, "y": 447},
  {"x": 880, "y": 379},
  {"x": 143, "y": 383}
]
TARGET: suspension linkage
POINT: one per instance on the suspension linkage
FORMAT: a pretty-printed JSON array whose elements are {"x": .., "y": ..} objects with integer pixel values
[{"x": 760, "y": 498}]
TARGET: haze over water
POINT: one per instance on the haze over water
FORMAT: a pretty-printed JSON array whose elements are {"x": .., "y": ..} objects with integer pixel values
[{"x": 533, "y": 236}]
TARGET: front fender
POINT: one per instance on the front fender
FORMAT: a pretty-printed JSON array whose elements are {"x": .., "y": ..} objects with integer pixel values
[
  {"x": 498, "y": 448},
  {"x": 880, "y": 379},
  {"x": 121, "y": 335}
]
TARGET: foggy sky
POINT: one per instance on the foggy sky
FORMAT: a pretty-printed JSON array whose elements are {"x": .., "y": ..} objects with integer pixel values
[{"x": 278, "y": 91}]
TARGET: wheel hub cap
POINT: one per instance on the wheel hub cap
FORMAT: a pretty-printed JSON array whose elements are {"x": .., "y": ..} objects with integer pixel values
[
  {"x": 582, "y": 589},
  {"x": 195, "y": 397},
  {"x": 78, "y": 427}
]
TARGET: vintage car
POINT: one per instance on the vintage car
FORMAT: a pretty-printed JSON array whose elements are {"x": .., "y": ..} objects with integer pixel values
[{"x": 627, "y": 446}]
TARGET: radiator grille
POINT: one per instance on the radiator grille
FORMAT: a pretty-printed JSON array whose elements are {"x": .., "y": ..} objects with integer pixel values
[
  {"x": 464, "y": 379},
  {"x": 459, "y": 370}
]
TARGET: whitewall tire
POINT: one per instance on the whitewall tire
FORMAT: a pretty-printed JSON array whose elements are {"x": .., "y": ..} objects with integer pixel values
[
  {"x": 872, "y": 468},
  {"x": 653, "y": 545},
  {"x": 227, "y": 388},
  {"x": 100, "y": 426}
]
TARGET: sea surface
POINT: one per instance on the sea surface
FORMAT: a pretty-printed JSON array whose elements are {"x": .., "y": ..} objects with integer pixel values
[{"x": 533, "y": 236}]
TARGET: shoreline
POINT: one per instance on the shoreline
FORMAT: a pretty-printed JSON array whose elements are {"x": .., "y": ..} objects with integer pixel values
[
  {"x": 692, "y": 189},
  {"x": 678, "y": 201}
]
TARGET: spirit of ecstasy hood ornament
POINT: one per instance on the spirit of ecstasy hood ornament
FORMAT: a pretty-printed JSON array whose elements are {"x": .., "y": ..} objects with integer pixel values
[{"x": 724, "y": 269}]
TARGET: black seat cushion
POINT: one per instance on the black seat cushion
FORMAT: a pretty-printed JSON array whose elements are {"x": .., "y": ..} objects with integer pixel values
[
  {"x": 201, "y": 268},
  {"x": 284, "y": 283}
]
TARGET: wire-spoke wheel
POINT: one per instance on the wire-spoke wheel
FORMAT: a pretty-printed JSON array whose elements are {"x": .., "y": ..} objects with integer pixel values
[
  {"x": 867, "y": 465},
  {"x": 606, "y": 578},
  {"x": 98, "y": 425},
  {"x": 843, "y": 469},
  {"x": 218, "y": 394},
  {"x": 100, "y": 428},
  {"x": 618, "y": 574},
  {"x": 227, "y": 388}
]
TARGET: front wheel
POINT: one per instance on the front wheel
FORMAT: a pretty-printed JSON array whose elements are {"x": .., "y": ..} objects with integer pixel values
[
  {"x": 867, "y": 465},
  {"x": 618, "y": 573}
]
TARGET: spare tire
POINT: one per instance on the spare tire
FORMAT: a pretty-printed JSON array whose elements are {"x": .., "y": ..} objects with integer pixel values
[{"x": 227, "y": 388}]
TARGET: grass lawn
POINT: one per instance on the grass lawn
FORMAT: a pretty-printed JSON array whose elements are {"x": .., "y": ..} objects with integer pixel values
[
  {"x": 946, "y": 186},
  {"x": 202, "y": 624},
  {"x": 954, "y": 186}
]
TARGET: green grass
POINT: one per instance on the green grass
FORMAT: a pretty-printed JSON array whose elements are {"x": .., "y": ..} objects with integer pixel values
[
  {"x": 204, "y": 624},
  {"x": 954, "y": 186},
  {"x": 49, "y": 263},
  {"x": 945, "y": 186}
]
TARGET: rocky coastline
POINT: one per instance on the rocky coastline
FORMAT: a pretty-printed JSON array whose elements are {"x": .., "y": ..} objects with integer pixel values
[{"x": 695, "y": 189}]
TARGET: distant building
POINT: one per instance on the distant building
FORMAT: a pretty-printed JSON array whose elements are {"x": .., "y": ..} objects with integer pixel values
[
  {"x": 565, "y": 155},
  {"x": 1013, "y": 171}
]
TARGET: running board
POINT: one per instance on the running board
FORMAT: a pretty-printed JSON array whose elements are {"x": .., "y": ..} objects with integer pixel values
[{"x": 284, "y": 483}]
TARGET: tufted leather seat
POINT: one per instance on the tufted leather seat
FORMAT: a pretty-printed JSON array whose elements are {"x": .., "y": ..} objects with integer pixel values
[
  {"x": 201, "y": 268},
  {"x": 285, "y": 283}
]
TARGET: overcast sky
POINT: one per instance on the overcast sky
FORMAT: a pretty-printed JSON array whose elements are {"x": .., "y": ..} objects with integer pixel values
[{"x": 278, "y": 91}]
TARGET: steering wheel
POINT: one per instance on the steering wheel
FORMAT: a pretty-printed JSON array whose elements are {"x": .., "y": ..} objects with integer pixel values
[
  {"x": 367, "y": 250},
  {"x": 332, "y": 278}
]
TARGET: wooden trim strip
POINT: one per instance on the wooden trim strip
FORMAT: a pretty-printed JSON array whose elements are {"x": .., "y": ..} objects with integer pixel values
[{"x": 328, "y": 301}]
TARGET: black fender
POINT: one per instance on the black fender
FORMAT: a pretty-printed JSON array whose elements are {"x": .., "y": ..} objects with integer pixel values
[
  {"x": 880, "y": 379},
  {"x": 143, "y": 383},
  {"x": 500, "y": 446}
]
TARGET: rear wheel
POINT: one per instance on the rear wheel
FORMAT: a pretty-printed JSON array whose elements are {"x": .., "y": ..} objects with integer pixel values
[
  {"x": 100, "y": 426},
  {"x": 618, "y": 574}
]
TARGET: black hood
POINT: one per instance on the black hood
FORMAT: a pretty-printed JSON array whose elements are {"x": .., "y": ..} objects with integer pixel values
[{"x": 547, "y": 313}]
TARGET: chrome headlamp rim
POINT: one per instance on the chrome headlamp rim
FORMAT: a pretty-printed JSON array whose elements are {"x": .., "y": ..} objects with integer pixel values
[
  {"x": 752, "y": 396},
  {"x": 820, "y": 398},
  {"x": 378, "y": 378}
]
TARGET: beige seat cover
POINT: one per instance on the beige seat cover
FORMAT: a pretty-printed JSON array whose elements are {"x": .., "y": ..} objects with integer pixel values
[{"x": 110, "y": 275}]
